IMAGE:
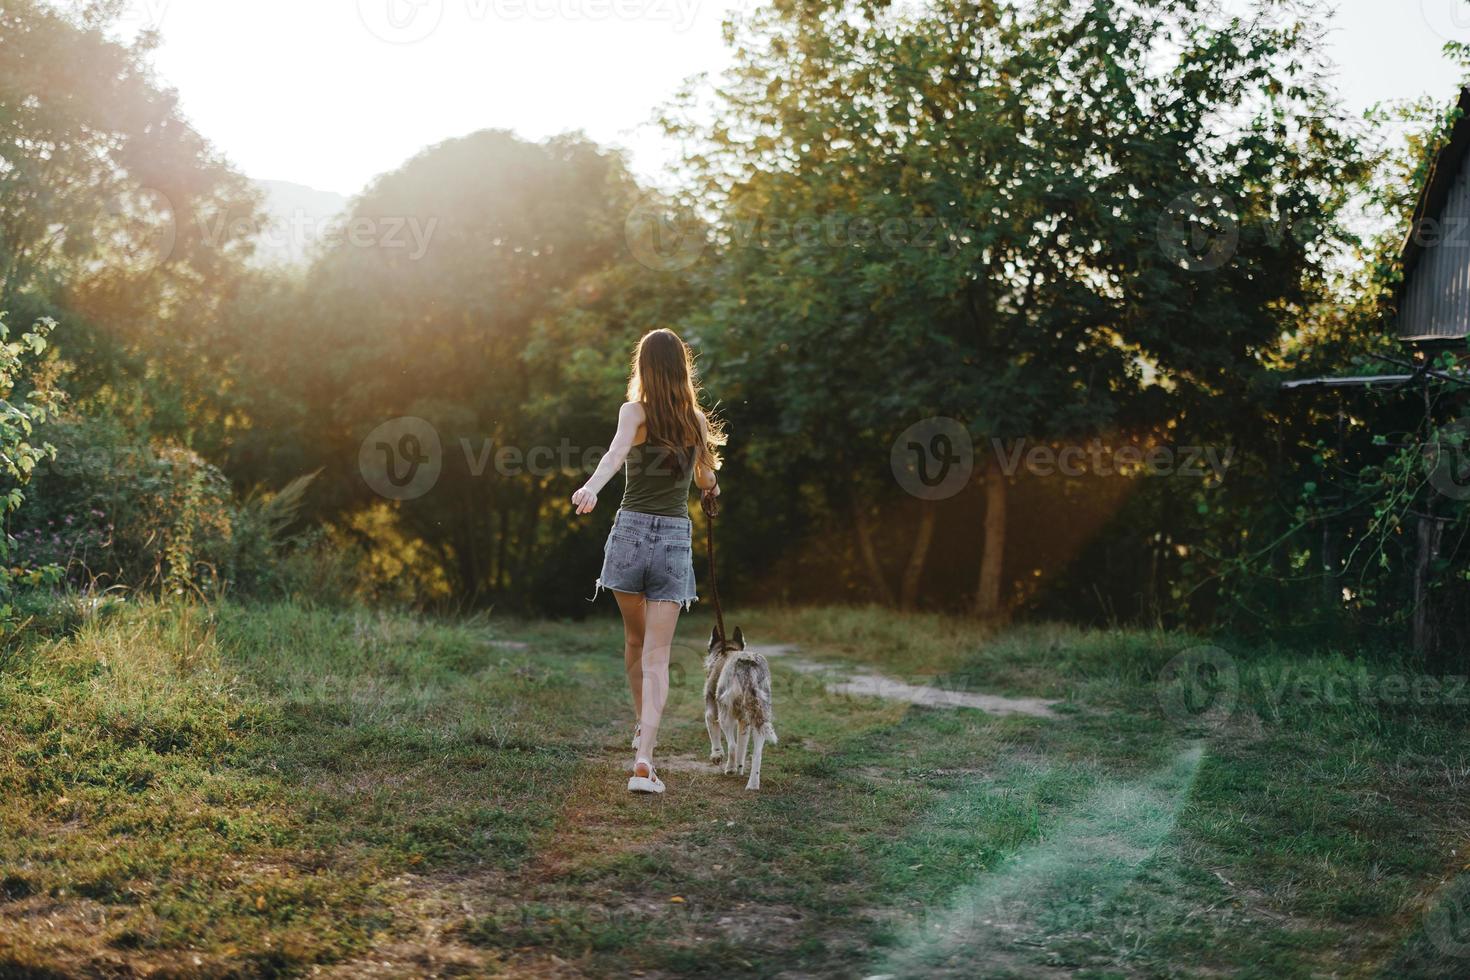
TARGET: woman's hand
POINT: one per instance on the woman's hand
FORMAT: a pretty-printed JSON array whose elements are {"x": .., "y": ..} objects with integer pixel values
[
  {"x": 584, "y": 500},
  {"x": 709, "y": 501}
]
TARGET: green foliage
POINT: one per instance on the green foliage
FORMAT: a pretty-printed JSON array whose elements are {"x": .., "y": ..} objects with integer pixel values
[
  {"x": 117, "y": 218},
  {"x": 113, "y": 509},
  {"x": 21, "y": 378},
  {"x": 1316, "y": 533},
  {"x": 28, "y": 397},
  {"x": 488, "y": 332},
  {"x": 1003, "y": 212},
  {"x": 163, "y": 511},
  {"x": 1054, "y": 221}
]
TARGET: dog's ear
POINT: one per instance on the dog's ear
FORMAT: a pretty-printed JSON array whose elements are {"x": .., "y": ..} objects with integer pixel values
[
  {"x": 714, "y": 636},
  {"x": 739, "y": 638}
]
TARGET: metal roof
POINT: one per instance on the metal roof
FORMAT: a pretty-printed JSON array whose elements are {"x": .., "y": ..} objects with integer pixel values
[
  {"x": 1441, "y": 180},
  {"x": 1433, "y": 299}
]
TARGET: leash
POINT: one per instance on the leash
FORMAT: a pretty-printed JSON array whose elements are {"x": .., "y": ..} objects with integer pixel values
[{"x": 711, "y": 507}]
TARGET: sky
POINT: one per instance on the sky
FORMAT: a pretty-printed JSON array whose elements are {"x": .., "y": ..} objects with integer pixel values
[{"x": 330, "y": 93}]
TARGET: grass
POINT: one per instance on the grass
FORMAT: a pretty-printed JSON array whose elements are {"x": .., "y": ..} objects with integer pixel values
[{"x": 261, "y": 791}]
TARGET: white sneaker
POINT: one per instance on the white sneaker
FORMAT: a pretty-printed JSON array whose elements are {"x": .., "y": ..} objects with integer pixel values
[{"x": 644, "y": 779}]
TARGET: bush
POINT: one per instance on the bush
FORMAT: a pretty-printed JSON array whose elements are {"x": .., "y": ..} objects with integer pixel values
[
  {"x": 113, "y": 509},
  {"x": 28, "y": 397},
  {"x": 268, "y": 560}
]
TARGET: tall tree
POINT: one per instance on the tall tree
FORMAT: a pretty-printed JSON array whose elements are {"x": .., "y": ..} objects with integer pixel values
[
  {"x": 424, "y": 305},
  {"x": 116, "y": 216},
  {"x": 1048, "y": 219}
]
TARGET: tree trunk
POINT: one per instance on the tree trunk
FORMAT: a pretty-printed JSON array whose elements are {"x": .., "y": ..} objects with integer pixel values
[
  {"x": 987, "y": 594},
  {"x": 528, "y": 539},
  {"x": 914, "y": 573},
  {"x": 869, "y": 553},
  {"x": 1426, "y": 622},
  {"x": 502, "y": 551},
  {"x": 1331, "y": 590},
  {"x": 467, "y": 565},
  {"x": 1430, "y": 529}
]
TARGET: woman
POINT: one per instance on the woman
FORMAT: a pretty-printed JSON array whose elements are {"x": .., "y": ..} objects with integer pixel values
[{"x": 666, "y": 440}]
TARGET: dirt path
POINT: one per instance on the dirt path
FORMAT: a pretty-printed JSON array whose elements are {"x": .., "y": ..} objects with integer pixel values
[
  {"x": 595, "y": 820},
  {"x": 866, "y": 682}
]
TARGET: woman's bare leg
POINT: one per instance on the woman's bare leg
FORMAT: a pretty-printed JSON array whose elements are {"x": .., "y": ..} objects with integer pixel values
[
  {"x": 660, "y": 620},
  {"x": 631, "y": 605}
]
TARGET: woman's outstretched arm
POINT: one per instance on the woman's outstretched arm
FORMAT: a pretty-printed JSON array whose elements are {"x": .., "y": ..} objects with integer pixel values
[
  {"x": 630, "y": 417},
  {"x": 704, "y": 477}
]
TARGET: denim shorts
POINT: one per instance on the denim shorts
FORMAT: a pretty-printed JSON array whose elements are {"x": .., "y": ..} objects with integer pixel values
[{"x": 649, "y": 554}]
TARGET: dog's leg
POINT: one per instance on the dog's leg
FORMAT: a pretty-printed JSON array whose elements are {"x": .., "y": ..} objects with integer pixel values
[
  {"x": 712, "y": 726},
  {"x": 727, "y": 728},
  {"x": 740, "y": 748},
  {"x": 755, "y": 759}
]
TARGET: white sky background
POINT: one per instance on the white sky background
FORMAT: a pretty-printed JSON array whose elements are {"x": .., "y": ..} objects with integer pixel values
[{"x": 330, "y": 93}]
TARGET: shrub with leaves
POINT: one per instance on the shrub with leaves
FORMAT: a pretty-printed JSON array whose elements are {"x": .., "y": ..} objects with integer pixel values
[
  {"x": 116, "y": 508},
  {"x": 28, "y": 396}
]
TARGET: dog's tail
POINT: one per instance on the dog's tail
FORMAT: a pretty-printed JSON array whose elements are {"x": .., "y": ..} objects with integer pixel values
[{"x": 769, "y": 731}]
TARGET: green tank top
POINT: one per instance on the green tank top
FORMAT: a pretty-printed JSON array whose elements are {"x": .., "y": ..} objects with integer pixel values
[{"x": 655, "y": 483}]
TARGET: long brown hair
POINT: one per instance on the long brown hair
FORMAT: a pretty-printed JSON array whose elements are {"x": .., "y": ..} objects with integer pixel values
[{"x": 664, "y": 382}]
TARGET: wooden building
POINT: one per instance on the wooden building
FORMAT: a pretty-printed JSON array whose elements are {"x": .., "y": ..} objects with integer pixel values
[{"x": 1434, "y": 300}]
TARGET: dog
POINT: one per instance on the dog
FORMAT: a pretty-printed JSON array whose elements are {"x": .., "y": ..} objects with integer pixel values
[{"x": 737, "y": 704}]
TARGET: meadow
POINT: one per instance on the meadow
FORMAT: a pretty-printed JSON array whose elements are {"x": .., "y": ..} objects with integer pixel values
[
  {"x": 273, "y": 790},
  {"x": 1073, "y": 486}
]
